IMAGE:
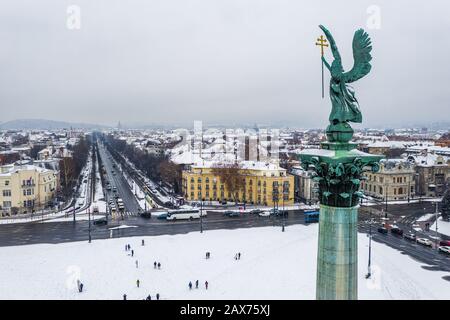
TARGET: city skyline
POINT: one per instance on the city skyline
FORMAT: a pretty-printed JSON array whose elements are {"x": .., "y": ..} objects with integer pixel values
[{"x": 223, "y": 63}]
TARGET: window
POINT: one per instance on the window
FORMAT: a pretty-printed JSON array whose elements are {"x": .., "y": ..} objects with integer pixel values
[
  {"x": 7, "y": 193},
  {"x": 7, "y": 183},
  {"x": 6, "y": 204}
]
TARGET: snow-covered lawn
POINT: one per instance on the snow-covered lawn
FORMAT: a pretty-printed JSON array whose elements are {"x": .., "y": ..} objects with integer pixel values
[
  {"x": 274, "y": 265},
  {"x": 443, "y": 227},
  {"x": 426, "y": 217}
]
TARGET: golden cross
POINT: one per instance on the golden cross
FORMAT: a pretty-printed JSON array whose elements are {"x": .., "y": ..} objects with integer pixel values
[{"x": 322, "y": 43}]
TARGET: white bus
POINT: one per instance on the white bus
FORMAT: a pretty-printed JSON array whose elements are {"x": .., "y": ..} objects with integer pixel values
[{"x": 189, "y": 214}]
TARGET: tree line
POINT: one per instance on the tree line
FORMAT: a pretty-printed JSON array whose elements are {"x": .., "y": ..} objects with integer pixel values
[{"x": 70, "y": 167}]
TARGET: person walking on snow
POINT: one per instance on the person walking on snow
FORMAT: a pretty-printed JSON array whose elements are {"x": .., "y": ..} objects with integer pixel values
[
  {"x": 154, "y": 264},
  {"x": 159, "y": 265},
  {"x": 190, "y": 285},
  {"x": 132, "y": 253},
  {"x": 157, "y": 296},
  {"x": 196, "y": 284},
  {"x": 137, "y": 283},
  {"x": 124, "y": 297},
  {"x": 136, "y": 264},
  {"x": 142, "y": 242},
  {"x": 239, "y": 256},
  {"x": 78, "y": 285},
  {"x": 206, "y": 285}
]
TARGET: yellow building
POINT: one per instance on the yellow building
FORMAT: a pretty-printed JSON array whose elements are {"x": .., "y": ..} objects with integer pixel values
[
  {"x": 26, "y": 187},
  {"x": 262, "y": 184}
]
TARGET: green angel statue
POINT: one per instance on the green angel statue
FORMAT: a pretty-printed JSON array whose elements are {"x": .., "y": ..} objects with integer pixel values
[{"x": 345, "y": 107}]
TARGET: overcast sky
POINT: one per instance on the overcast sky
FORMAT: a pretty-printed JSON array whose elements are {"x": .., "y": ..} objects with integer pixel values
[{"x": 220, "y": 61}]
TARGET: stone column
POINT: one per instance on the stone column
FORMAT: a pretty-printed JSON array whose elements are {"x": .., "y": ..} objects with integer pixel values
[{"x": 337, "y": 262}]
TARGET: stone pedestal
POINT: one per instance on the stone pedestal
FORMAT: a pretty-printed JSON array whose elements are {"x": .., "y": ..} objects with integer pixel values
[{"x": 337, "y": 262}]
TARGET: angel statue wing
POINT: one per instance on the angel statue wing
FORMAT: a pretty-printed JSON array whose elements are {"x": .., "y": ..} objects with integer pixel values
[{"x": 362, "y": 46}]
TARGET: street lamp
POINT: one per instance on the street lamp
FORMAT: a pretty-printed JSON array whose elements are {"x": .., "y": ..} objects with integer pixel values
[
  {"x": 201, "y": 215},
  {"x": 369, "y": 272},
  {"x": 386, "y": 198},
  {"x": 89, "y": 214},
  {"x": 409, "y": 188},
  {"x": 436, "y": 218}
]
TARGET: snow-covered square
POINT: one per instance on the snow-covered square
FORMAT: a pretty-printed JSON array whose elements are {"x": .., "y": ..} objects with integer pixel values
[{"x": 273, "y": 265}]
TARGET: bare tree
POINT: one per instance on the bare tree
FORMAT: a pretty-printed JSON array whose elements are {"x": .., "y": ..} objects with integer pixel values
[
  {"x": 170, "y": 173},
  {"x": 233, "y": 178}
]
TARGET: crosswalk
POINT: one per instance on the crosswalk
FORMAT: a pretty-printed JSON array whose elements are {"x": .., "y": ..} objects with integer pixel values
[{"x": 120, "y": 215}]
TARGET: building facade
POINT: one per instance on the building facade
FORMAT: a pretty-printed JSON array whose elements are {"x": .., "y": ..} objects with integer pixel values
[
  {"x": 262, "y": 184},
  {"x": 394, "y": 181},
  {"x": 433, "y": 174},
  {"x": 24, "y": 188},
  {"x": 306, "y": 189}
]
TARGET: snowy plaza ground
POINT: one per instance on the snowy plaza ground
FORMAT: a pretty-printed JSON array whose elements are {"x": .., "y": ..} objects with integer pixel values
[{"x": 274, "y": 265}]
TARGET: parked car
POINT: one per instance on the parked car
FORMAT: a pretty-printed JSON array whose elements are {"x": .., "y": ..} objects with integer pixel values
[
  {"x": 397, "y": 231},
  {"x": 444, "y": 249},
  {"x": 410, "y": 236},
  {"x": 256, "y": 211},
  {"x": 264, "y": 213},
  {"x": 114, "y": 189},
  {"x": 282, "y": 213},
  {"x": 102, "y": 221},
  {"x": 146, "y": 215},
  {"x": 444, "y": 243},
  {"x": 425, "y": 242},
  {"x": 231, "y": 213},
  {"x": 162, "y": 216},
  {"x": 223, "y": 202},
  {"x": 382, "y": 230}
]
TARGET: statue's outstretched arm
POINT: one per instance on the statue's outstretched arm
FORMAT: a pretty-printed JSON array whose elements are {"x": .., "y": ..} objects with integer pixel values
[
  {"x": 333, "y": 46},
  {"x": 326, "y": 63}
]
